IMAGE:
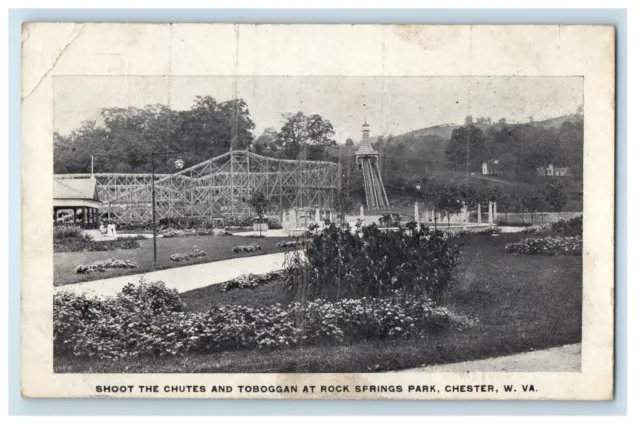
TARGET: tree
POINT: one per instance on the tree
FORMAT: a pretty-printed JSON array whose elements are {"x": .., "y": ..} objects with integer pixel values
[
  {"x": 348, "y": 143},
  {"x": 556, "y": 196},
  {"x": 125, "y": 137},
  {"x": 260, "y": 203},
  {"x": 447, "y": 200},
  {"x": 266, "y": 141},
  {"x": 343, "y": 203},
  {"x": 468, "y": 120},
  {"x": 305, "y": 136},
  {"x": 467, "y": 148},
  {"x": 533, "y": 201}
]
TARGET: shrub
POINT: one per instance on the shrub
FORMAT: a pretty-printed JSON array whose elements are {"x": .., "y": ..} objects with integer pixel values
[
  {"x": 149, "y": 319},
  {"x": 181, "y": 257},
  {"x": 493, "y": 230},
  {"x": 293, "y": 243},
  {"x": 250, "y": 281},
  {"x": 67, "y": 231},
  {"x": 172, "y": 232},
  {"x": 537, "y": 229},
  {"x": 547, "y": 246},
  {"x": 135, "y": 226},
  {"x": 570, "y": 228},
  {"x": 390, "y": 220},
  {"x": 109, "y": 328},
  {"x": 240, "y": 223},
  {"x": 273, "y": 222},
  {"x": 338, "y": 263},
  {"x": 83, "y": 245},
  {"x": 134, "y": 237},
  {"x": 184, "y": 223},
  {"x": 247, "y": 248},
  {"x": 101, "y": 266},
  {"x": 503, "y": 223}
]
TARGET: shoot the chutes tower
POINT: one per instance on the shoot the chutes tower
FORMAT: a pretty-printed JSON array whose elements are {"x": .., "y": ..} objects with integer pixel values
[{"x": 367, "y": 163}]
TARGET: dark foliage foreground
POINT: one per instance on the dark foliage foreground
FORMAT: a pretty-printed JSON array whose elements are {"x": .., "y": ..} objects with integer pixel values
[
  {"x": 149, "y": 319},
  {"x": 515, "y": 298},
  {"x": 338, "y": 263}
]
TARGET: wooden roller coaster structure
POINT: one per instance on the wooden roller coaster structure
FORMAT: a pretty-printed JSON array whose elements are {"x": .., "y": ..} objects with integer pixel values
[{"x": 219, "y": 186}]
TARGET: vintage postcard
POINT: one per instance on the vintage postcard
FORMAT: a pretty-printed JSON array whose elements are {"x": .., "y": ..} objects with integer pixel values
[{"x": 317, "y": 211}]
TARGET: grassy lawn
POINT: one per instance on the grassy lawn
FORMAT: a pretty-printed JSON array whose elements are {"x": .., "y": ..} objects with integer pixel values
[
  {"x": 216, "y": 247},
  {"x": 523, "y": 302}
]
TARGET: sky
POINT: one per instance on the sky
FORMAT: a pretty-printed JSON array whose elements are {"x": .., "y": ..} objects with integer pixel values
[{"x": 391, "y": 105}]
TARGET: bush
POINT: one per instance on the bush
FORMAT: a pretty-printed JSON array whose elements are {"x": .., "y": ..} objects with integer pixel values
[
  {"x": 149, "y": 319},
  {"x": 134, "y": 237},
  {"x": 274, "y": 222},
  {"x": 547, "y": 246},
  {"x": 338, "y": 263},
  {"x": 172, "y": 232},
  {"x": 293, "y": 244},
  {"x": 181, "y": 257},
  {"x": 84, "y": 245},
  {"x": 240, "y": 223},
  {"x": 67, "y": 231},
  {"x": 184, "y": 223},
  {"x": 493, "y": 230},
  {"x": 503, "y": 223},
  {"x": 108, "y": 328},
  {"x": 250, "y": 281},
  {"x": 570, "y": 228},
  {"x": 247, "y": 248},
  {"x": 390, "y": 220},
  {"x": 101, "y": 266},
  {"x": 135, "y": 226}
]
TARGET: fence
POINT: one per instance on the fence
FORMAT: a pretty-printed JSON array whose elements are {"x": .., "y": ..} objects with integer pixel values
[{"x": 535, "y": 218}]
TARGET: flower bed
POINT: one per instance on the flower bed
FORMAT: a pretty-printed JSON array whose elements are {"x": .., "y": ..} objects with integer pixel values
[
  {"x": 149, "y": 319},
  {"x": 250, "y": 281},
  {"x": 547, "y": 246},
  {"x": 172, "y": 232},
  {"x": 181, "y": 257},
  {"x": 101, "y": 266},
  {"x": 249, "y": 248}
]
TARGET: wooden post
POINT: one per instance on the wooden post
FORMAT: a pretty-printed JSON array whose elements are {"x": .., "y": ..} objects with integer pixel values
[
  {"x": 416, "y": 213},
  {"x": 479, "y": 213},
  {"x": 490, "y": 213}
]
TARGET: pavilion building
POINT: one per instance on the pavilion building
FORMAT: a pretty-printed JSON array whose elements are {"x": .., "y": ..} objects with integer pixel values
[{"x": 75, "y": 201}]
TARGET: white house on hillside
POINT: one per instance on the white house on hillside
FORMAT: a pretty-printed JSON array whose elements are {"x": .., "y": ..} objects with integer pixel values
[
  {"x": 490, "y": 167},
  {"x": 551, "y": 171}
]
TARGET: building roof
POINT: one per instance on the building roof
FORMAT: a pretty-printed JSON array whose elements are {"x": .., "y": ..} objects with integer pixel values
[
  {"x": 76, "y": 188},
  {"x": 365, "y": 149}
]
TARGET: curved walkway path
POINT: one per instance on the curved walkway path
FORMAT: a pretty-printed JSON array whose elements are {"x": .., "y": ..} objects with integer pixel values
[
  {"x": 185, "y": 278},
  {"x": 565, "y": 358}
]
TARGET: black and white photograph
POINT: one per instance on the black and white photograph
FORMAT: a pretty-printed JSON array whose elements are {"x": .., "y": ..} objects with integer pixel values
[
  {"x": 363, "y": 212},
  {"x": 331, "y": 224}
]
